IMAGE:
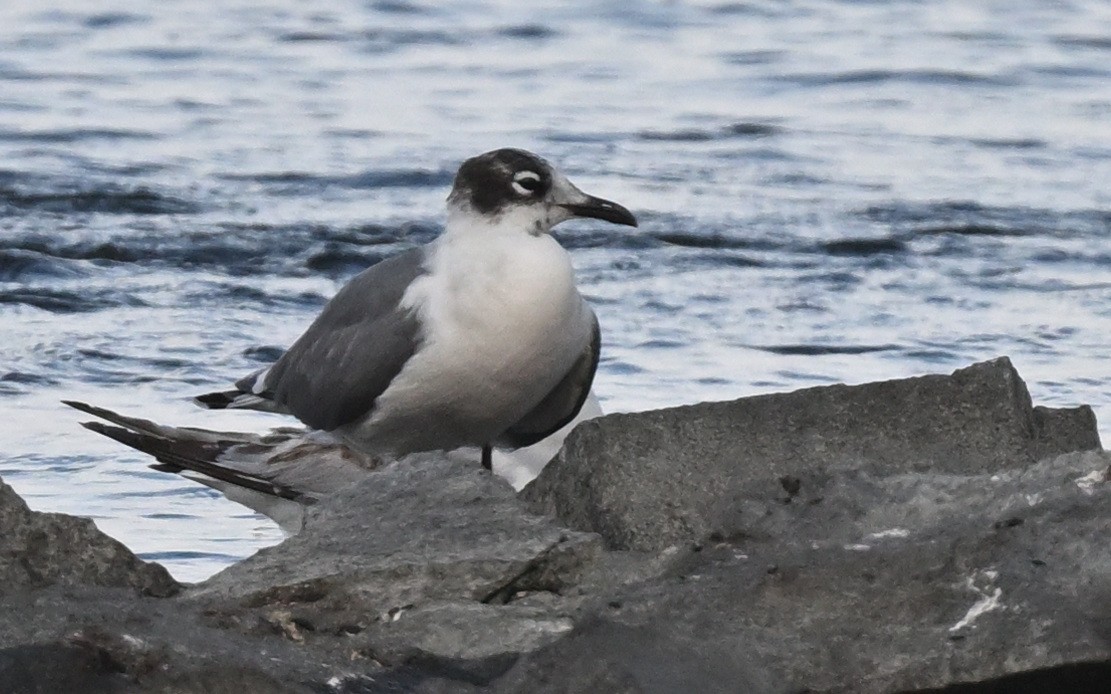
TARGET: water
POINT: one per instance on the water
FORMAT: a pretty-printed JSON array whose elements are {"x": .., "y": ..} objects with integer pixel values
[{"x": 828, "y": 192}]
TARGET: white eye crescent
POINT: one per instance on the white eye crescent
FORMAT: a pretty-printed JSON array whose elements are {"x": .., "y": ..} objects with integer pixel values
[{"x": 526, "y": 182}]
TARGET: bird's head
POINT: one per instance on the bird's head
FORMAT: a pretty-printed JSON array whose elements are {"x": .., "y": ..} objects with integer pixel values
[{"x": 516, "y": 189}]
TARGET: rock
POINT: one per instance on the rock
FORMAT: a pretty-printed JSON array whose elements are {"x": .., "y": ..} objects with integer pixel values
[
  {"x": 403, "y": 579},
  {"x": 915, "y": 536},
  {"x": 41, "y": 549},
  {"x": 467, "y": 630},
  {"x": 870, "y": 583},
  {"x": 90, "y": 639},
  {"x": 649, "y": 480},
  {"x": 606, "y": 655},
  {"x": 92, "y": 668},
  {"x": 72, "y": 669},
  {"x": 415, "y": 554},
  {"x": 82, "y": 613},
  {"x": 1060, "y": 430}
]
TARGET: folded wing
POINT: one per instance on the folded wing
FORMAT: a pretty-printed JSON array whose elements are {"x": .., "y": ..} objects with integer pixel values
[{"x": 335, "y": 371}]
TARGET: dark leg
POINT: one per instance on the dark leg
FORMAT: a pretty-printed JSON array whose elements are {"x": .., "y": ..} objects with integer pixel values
[{"x": 488, "y": 457}]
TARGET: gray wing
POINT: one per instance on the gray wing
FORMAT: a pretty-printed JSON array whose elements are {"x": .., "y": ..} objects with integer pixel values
[
  {"x": 335, "y": 371},
  {"x": 562, "y": 403}
]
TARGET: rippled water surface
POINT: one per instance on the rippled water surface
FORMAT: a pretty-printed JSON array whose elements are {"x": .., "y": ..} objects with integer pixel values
[{"x": 827, "y": 191}]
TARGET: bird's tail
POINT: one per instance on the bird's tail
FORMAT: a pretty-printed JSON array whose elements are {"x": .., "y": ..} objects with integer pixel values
[
  {"x": 276, "y": 474},
  {"x": 181, "y": 449}
]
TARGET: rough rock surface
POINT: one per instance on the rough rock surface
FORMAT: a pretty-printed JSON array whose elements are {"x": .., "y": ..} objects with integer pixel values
[
  {"x": 435, "y": 541},
  {"x": 885, "y": 583},
  {"x": 90, "y": 640},
  {"x": 937, "y": 534},
  {"x": 41, "y": 549},
  {"x": 648, "y": 480}
]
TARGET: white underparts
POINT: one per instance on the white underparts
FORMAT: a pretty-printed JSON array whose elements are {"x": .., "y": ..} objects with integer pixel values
[{"x": 501, "y": 324}]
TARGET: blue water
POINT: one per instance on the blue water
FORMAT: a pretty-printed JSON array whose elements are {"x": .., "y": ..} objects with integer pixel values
[{"x": 828, "y": 191}]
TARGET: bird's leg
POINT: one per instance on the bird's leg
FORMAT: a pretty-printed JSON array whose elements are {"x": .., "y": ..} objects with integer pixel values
[{"x": 488, "y": 456}]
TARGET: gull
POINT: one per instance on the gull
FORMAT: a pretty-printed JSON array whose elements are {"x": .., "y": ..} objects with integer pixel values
[{"x": 477, "y": 339}]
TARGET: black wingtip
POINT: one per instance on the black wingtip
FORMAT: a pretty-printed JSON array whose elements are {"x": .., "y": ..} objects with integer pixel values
[
  {"x": 127, "y": 438},
  {"x": 93, "y": 410},
  {"x": 107, "y": 430},
  {"x": 78, "y": 405},
  {"x": 94, "y": 426},
  {"x": 215, "y": 401}
]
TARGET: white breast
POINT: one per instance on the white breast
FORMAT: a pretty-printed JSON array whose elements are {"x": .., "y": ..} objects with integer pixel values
[{"x": 502, "y": 323}]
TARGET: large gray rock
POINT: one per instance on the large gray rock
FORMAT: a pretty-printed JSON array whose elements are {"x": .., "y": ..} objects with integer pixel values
[
  {"x": 41, "y": 549},
  {"x": 81, "y": 613},
  {"x": 908, "y": 537},
  {"x": 412, "y": 559},
  {"x": 864, "y": 583},
  {"x": 396, "y": 580},
  {"x": 648, "y": 480}
]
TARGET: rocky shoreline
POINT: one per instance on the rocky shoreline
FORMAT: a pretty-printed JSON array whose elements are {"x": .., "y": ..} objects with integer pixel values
[{"x": 932, "y": 534}]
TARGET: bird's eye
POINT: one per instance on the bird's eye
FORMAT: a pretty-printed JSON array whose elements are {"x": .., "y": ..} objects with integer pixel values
[{"x": 526, "y": 182}]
